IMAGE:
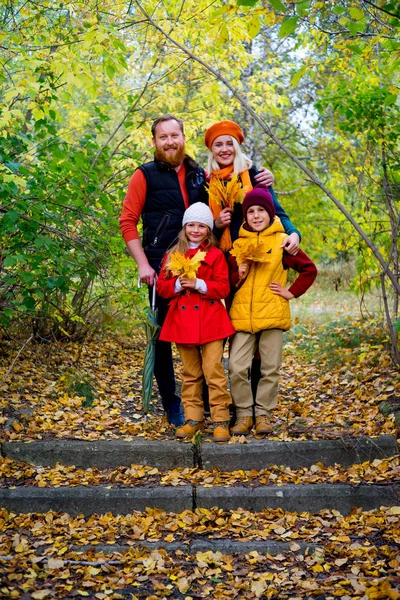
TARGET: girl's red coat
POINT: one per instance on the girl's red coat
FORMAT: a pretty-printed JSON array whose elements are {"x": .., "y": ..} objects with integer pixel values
[{"x": 195, "y": 318}]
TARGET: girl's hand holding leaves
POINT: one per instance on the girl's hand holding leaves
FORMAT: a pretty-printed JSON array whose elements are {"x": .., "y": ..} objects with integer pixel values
[
  {"x": 183, "y": 266},
  {"x": 187, "y": 284}
]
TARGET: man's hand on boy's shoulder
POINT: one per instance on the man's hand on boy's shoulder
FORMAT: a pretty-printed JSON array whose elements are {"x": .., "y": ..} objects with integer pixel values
[
  {"x": 279, "y": 290},
  {"x": 291, "y": 244}
]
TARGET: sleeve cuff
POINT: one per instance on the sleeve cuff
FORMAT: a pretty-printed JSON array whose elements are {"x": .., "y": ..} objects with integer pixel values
[{"x": 201, "y": 286}]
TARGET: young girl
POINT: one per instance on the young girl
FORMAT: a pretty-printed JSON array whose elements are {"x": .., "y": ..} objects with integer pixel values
[
  {"x": 198, "y": 322},
  {"x": 260, "y": 308}
]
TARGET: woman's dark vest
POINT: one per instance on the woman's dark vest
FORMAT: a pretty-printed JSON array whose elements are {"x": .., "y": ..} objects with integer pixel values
[{"x": 164, "y": 205}]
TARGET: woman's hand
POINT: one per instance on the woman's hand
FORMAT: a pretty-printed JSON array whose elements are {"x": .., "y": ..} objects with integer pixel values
[
  {"x": 279, "y": 290},
  {"x": 291, "y": 244},
  {"x": 265, "y": 177},
  {"x": 188, "y": 284},
  {"x": 224, "y": 218},
  {"x": 243, "y": 270}
]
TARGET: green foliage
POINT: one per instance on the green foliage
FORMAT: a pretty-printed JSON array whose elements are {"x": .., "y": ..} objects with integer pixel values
[
  {"x": 397, "y": 326},
  {"x": 60, "y": 187},
  {"x": 82, "y": 82},
  {"x": 79, "y": 383},
  {"x": 246, "y": 2},
  {"x": 341, "y": 341},
  {"x": 288, "y": 26},
  {"x": 278, "y": 5},
  {"x": 55, "y": 233}
]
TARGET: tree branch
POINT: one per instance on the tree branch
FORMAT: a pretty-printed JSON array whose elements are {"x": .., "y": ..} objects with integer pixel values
[
  {"x": 382, "y": 9},
  {"x": 393, "y": 335},
  {"x": 14, "y": 361}
]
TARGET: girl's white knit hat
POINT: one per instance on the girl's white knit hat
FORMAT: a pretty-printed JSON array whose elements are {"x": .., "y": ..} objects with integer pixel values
[{"x": 199, "y": 213}]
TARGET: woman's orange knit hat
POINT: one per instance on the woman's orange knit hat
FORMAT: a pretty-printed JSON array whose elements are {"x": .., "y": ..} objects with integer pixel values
[{"x": 223, "y": 128}]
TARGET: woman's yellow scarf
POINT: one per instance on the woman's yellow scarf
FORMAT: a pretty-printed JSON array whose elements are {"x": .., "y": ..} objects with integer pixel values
[{"x": 221, "y": 195}]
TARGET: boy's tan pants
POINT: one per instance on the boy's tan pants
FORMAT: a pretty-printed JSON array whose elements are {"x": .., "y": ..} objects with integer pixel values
[
  {"x": 270, "y": 343},
  {"x": 198, "y": 361}
]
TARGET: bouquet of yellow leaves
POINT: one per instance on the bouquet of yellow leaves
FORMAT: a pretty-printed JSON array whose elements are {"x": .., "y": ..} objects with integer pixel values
[
  {"x": 245, "y": 250},
  {"x": 225, "y": 196},
  {"x": 183, "y": 266}
]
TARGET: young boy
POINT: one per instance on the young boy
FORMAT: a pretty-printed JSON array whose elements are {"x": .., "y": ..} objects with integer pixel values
[{"x": 260, "y": 309}]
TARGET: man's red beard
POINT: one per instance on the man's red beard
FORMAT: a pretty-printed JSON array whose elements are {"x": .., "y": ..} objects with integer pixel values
[{"x": 174, "y": 159}]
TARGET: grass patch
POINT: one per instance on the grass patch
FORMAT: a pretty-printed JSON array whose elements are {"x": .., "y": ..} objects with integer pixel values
[
  {"x": 340, "y": 341},
  {"x": 336, "y": 327},
  {"x": 78, "y": 383}
]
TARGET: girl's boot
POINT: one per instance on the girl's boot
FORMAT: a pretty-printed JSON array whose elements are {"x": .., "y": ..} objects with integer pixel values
[
  {"x": 221, "y": 431},
  {"x": 189, "y": 429}
]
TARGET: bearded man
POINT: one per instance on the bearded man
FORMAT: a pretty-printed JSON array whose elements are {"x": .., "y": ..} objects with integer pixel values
[{"x": 159, "y": 192}]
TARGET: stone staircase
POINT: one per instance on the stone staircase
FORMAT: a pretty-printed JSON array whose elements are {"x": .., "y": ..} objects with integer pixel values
[
  {"x": 254, "y": 454},
  {"x": 268, "y": 541}
]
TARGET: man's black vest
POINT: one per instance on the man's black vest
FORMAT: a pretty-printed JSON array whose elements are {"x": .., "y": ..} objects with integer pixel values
[{"x": 164, "y": 205}]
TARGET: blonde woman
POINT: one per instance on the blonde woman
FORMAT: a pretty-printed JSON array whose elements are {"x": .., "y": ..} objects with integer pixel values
[{"x": 227, "y": 161}]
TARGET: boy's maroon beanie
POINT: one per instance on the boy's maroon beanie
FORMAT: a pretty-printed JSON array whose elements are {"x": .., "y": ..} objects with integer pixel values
[{"x": 261, "y": 196}]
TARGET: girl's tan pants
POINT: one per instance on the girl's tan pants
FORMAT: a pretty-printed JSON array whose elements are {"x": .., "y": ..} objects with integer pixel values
[{"x": 198, "y": 361}]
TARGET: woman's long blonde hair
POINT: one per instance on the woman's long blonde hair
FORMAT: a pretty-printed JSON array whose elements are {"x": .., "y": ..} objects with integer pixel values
[
  {"x": 182, "y": 245},
  {"x": 241, "y": 161}
]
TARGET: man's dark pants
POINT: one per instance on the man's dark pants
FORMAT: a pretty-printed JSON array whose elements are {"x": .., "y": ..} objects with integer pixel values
[{"x": 164, "y": 368}]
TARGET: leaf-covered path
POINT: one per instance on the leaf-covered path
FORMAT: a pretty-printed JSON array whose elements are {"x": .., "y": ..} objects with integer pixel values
[
  {"x": 91, "y": 392},
  {"x": 47, "y": 556},
  {"x": 332, "y": 385}
]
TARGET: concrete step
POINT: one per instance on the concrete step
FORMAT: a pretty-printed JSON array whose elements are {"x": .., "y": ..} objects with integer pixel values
[
  {"x": 203, "y": 544},
  {"x": 170, "y": 454},
  {"x": 175, "y": 499}
]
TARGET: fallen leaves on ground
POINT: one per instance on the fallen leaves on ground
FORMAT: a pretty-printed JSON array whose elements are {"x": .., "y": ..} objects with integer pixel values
[
  {"x": 39, "y": 399},
  {"x": 93, "y": 391},
  {"x": 16, "y": 473},
  {"x": 356, "y": 556}
]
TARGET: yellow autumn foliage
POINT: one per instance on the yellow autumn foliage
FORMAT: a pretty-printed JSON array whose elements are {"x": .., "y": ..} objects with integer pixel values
[
  {"x": 183, "y": 266},
  {"x": 246, "y": 250},
  {"x": 226, "y": 194}
]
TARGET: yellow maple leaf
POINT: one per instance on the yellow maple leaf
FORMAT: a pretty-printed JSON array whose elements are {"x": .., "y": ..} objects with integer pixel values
[
  {"x": 180, "y": 265},
  {"x": 245, "y": 250},
  {"x": 183, "y": 585}
]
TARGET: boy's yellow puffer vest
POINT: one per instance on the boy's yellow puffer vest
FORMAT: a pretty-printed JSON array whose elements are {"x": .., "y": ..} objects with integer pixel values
[{"x": 254, "y": 306}]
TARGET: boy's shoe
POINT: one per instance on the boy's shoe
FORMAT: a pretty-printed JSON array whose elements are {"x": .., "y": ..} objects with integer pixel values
[
  {"x": 263, "y": 425},
  {"x": 221, "y": 431},
  {"x": 189, "y": 429},
  {"x": 243, "y": 426}
]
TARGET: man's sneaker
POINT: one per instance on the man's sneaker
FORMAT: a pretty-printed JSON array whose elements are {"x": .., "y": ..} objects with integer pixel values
[
  {"x": 263, "y": 425},
  {"x": 189, "y": 429},
  {"x": 243, "y": 426},
  {"x": 221, "y": 431}
]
